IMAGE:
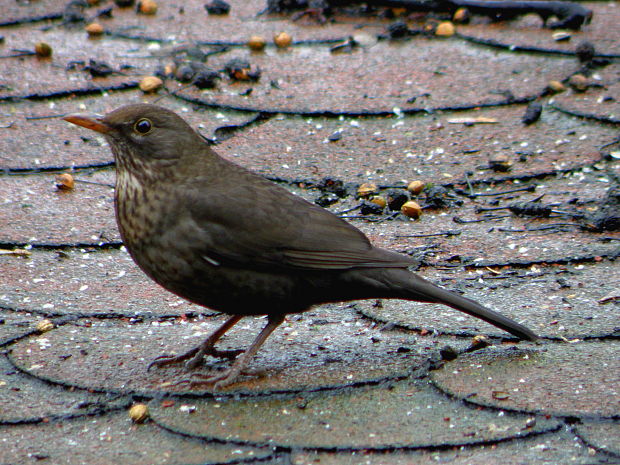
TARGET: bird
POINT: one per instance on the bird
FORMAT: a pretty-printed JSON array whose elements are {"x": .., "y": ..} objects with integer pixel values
[{"x": 226, "y": 238}]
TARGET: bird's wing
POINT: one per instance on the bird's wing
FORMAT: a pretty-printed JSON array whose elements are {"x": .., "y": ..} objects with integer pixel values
[{"x": 260, "y": 224}]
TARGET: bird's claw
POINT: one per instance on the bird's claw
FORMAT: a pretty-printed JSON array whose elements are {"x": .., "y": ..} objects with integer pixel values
[
  {"x": 164, "y": 360},
  {"x": 221, "y": 380},
  {"x": 197, "y": 359},
  {"x": 194, "y": 357}
]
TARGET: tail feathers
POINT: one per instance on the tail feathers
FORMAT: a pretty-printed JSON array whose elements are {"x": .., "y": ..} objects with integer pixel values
[{"x": 421, "y": 290}]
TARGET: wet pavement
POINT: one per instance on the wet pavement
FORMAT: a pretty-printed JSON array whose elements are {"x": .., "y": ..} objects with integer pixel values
[{"x": 521, "y": 217}]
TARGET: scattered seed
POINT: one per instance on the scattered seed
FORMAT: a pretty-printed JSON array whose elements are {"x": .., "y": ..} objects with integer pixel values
[
  {"x": 579, "y": 82},
  {"x": 556, "y": 86},
  {"x": 367, "y": 189},
  {"x": 150, "y": 84},
  {"x": 445, "y": 29},
  {"x": 94, "y": 29},
  {"x": 461, "y": 16},
  {"x": 257, "y": 43},
  {"x": 65, "y": 182},
  {"x": 378, "y": 200},
  {"x": 415, "y": 187},
  {"x": 44, "y": 326},
  {"x": 138, "y": 413},
  {"x": 147, "y": 7},
  {"x": 43, "y": 49},
  {"x": 411, "y": 209},
  {"x": 283, "y": 39}
]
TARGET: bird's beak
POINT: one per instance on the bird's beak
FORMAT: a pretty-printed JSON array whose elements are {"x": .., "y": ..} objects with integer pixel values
[{"x": 89, "y": 121}]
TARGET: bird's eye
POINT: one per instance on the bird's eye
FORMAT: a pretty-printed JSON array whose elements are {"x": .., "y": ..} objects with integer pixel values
[{"x": 143, "y": 126}]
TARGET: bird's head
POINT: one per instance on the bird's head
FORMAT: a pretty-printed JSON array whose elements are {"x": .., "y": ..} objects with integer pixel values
[{"x": 143, "y": 137}]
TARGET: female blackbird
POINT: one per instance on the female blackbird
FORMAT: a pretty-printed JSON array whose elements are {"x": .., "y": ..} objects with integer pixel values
[{"x": 176, "y": 201}]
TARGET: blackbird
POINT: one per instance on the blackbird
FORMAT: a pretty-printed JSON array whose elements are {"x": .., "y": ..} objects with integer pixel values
[{"x": 228, "y": 239}]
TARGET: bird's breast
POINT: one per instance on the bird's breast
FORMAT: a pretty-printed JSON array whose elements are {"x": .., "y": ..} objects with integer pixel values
[
  {"x": 151, "y": 229},
  {"x": 136, "y": 210}
]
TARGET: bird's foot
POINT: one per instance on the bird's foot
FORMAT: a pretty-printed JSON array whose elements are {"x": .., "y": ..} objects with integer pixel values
[
  {"x": 228, "y": 376},
  {"x": 194, "y": 357},
  {"x": 164, "y": 360},
  {"x": 221, "y": 380}
]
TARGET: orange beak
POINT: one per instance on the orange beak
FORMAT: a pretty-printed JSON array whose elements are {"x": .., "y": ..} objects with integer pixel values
[{"x": 89, "y": 121}]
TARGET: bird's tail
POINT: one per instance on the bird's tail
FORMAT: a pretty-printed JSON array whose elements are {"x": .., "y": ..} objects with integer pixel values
[{"x": 412, "y": 287}]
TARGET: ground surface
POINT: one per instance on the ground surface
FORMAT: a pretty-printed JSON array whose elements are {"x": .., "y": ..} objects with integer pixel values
[{"x": 353, "y": 383}]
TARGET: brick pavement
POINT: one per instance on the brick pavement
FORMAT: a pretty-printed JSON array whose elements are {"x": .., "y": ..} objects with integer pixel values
[{"x": 352, "y": 383}]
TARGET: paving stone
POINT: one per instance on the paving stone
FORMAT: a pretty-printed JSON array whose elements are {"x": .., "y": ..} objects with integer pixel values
[
  {"x": 85, "y": 282},
  {"x": 329, "y": 346},
  {"x": 83, "y": 215},
  {"x": 28, "y": 400},
  {"x": 364, "y": 373},
  {"x": 400, "y": 415},
  {"x": 579, "y": 379},
  {"x": 36, "y": 135},
  {"x": 600, "y": 101},
  {"x": 190, "y": 22},
  {"x": 39, "y": 77},
  {"x": 441, "y": 238},
  {"x": 601, "y": 435},
  {"x": 392, "y": 150},
  {"x": 14, "y": 325},
  {"x": 447, "y": 71},
  {"x": 501, "y": 242},
  {"x": 564, "y": 302},
  {"x": 573, "y": 191},
  {"x": 112, "y": 439},
  {"x": 130, "y": 60},
  {"x": 497, "y": 237},
  {"x": 543, "y": 449},
  {"x": 527, "y": 31},
  {"x": 21, "y": 11}
]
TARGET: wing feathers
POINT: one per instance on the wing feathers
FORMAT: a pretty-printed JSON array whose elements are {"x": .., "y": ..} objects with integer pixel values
[{"x": 332, "y": 260}]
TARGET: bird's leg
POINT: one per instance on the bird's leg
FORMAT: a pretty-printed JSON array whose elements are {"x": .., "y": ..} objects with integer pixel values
[
  {"x": 196, "y": 354},
  {"x": 228, "y": 376}
]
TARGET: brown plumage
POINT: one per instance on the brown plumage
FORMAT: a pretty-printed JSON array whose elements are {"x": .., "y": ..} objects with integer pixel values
[{"x": 173, "y": 207}]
